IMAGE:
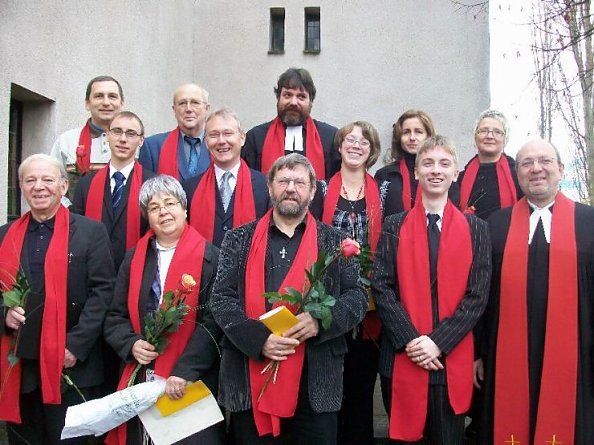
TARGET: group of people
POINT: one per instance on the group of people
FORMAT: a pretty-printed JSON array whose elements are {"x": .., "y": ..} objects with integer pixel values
[{"x": 468, "y": 286}]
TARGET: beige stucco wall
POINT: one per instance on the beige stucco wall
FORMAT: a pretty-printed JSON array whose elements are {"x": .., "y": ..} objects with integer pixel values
[{"x": 378, "y": 58}]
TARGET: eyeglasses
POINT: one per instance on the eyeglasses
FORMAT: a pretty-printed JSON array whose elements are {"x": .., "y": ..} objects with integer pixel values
[
  {"x": 169, "y": 206},
  {"x": 485, "y": 131},
  {"x": 130, "y": 134},
  {"x": 363, "y": 143},
  {"x": 299, "y": 184},
  {"x": 543, "y": 161},
  {"x": 216, "y": 135},
  {"x": 190, "y": 103}
]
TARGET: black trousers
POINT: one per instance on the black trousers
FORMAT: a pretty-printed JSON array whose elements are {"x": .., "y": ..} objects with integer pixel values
[
  {"x": 306, "y": 427},
  {"x": 42, "y": 424},
  {"x": 355, "y": 418},
  {"x": 443, "y": 426}
]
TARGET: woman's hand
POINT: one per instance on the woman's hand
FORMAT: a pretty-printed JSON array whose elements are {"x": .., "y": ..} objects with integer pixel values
[
  {"x": 144, "y": 352},
  {"x": 175, "y": 387}
]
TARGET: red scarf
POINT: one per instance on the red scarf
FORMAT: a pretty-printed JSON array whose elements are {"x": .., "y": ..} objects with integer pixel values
[
  {"x": 410, "y": 383},
  {"x": 53, "y": 325},
  {"x": 203, "y": 208},
  {"x": 371, "y": 323},
  {"x": 274, "y": 146},
  {"x": 557, "y": 401},
  {"x": 83, "y": 151},
  {"x": 505, "y": 182},
  {"x": 280, "y": 398},
  {"x": 407, "y": 199},
  {"x": 94, "y": 207},
  {"x": 187, "y": 259},
  {"x": 168, "y": 155}
]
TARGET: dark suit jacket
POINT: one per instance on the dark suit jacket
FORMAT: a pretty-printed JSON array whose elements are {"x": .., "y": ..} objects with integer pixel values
[
  {"x": 398, "y": 329},
  {"x": 201, "y": 357},
  {"x": 245, "y": 337},
  {"x": 151, "y": 150},
  {"x": 115, "y": 224},
  {"x": 89, "y": 291},
  {"x": 224, "y": 220},
  {"x": 252, "y": 149}
]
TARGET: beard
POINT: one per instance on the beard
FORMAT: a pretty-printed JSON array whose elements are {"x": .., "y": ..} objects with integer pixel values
[
  {"x": 292, "y": 116},
  {"x": 290, "y": 208}
]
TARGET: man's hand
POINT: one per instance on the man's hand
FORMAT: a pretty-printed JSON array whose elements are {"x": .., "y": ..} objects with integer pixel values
[
  {"x": 278, "y": 348},
  {"x": 479, "y": 373},
  {"x": 175, "y": 387},
  {"x": 15, "y": 317},
  {"x": 306, "y": 328},
  {"x": 69, "y": 359},
  {"x": 424, "y": 353},
  {"x": 144, "y": 352}
]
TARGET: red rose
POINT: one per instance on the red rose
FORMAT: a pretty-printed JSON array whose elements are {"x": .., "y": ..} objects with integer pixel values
[
  {"x": 350, "y": 248},
  {"x": 469, "y": 210}
]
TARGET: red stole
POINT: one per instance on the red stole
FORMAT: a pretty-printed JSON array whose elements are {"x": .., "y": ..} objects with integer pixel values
[
  {"x": 280, "y": 398},
  {"x": 505, "y": 182},
  {"x": 203, "y": 208},
  {"x": 371, "y": 323},
  {"x": 94, "y": 206},
  {"x": 83, "y": 151},
  {"x": 557, "y": 402},
  {"x": 168, "y": 155},
  {"x": 410, "y": 383},
  {"x": 407, "y": 201},
  {"x": 274, "y": 146},
  {"x": 187, "y": 259},
  {"x": 53, "y": 325}
]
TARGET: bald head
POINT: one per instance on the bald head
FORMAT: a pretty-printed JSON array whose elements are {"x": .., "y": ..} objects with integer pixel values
[{"x": 540, "y": 171}]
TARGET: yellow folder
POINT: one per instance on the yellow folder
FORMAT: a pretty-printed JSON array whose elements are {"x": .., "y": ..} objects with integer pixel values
[
  {"x": 279, "y": 320},
  {"x": 194, "y": 392}
]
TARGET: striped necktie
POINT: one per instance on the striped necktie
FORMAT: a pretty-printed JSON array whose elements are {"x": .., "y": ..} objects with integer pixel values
[{"x": 116, "y": 196}]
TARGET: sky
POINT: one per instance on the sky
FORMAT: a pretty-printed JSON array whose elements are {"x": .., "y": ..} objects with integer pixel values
[{"x": 513, "y": 90}]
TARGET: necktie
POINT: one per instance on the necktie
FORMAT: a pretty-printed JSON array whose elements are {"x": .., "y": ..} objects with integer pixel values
[
  {"x": 193, "y": 161},
  {"x": 433, "y": 238},
  {"x": 225, "y": 190},
  {"x": 153, "y": 301},
  {"x": 116, "y": 196}
]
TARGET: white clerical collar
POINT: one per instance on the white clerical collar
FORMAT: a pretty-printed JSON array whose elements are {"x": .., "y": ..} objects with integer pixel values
[
  {"x": 439, "y": 221},
  {"x": 294, "y": 138},
  {"x": 544, "y": 214}
]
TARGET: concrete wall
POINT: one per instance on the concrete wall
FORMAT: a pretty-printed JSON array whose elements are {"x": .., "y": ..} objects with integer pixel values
[{"x": 378, "y": 58}]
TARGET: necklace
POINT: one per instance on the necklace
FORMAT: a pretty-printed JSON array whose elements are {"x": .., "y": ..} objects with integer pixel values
[{"x": 353, "y": 214}]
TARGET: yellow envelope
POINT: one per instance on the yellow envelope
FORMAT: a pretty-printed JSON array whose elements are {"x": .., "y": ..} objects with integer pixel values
[{"x": 194, "y": 392}]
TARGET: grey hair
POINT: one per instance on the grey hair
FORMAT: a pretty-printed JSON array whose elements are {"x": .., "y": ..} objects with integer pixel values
[
  {"x": 557, "y": 152},
  {"x": 225, "y": 113},
  {"x": 434, "y": 142},
  {"x": 45, "y": 158},
  {"x": 291, "y": 161},
  {"x": 163, "y": 185},
  {"x": 498, "y": 116}
]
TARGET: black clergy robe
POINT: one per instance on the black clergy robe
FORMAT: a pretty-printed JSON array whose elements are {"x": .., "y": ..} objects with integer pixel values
[{"x": 537, "y": 291}]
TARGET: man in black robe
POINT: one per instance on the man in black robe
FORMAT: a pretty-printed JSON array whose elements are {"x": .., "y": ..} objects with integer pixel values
[{"x": 551, "y": 341}]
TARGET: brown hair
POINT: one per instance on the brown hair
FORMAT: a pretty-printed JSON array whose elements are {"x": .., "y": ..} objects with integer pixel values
[{"x": 369, "y": 133}]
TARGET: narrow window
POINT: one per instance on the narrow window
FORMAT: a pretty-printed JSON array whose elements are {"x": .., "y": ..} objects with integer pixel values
[
  {"x": 277, "y": 31},
  {"x": 312, "y": 30},
  {"x": 15, "y": 143}
]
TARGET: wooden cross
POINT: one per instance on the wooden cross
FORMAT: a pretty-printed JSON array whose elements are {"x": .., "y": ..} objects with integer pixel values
[{"x": 554, "y": 441}]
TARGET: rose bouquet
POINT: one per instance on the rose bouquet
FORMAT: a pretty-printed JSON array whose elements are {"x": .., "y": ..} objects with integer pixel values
[
  {"x": 166, "y": 319},
  {"x": 314, "y": 299}
]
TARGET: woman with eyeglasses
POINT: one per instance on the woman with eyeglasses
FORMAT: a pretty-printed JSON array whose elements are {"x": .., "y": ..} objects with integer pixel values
[
  {"x": 489, "y": 181},
  {"x": 350, "y": 201},
  {"x": 172, "y": 256},
  {"x": 397, "y": 180}
]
